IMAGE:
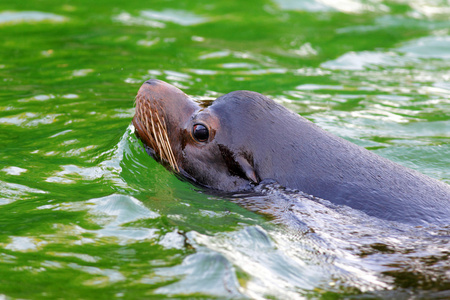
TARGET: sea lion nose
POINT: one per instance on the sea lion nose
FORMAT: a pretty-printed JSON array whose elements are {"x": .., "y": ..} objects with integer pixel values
[{"x": 153, "y": 81}]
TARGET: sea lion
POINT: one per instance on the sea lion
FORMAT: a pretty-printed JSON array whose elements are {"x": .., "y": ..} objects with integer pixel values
[{"x": 245, "y": 137}]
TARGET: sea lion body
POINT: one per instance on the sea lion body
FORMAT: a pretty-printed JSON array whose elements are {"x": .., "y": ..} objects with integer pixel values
[{"x": 252, "y": 138}]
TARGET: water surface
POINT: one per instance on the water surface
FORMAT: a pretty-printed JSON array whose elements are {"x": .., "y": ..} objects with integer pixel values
[{"x": 86, "y": 213}]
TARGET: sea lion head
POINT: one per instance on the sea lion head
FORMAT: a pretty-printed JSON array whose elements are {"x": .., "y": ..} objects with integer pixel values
[{"x": 196, "y": 142}]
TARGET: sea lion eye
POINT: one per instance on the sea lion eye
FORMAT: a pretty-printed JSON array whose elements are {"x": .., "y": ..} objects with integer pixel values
[{"x": 200, "y": 133}]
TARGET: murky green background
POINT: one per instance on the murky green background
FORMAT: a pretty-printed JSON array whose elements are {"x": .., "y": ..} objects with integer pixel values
[{"x": 85, "y": 213}]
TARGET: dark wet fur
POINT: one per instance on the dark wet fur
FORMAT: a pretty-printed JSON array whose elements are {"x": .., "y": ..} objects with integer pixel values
[{"x": 258, "y": 139}]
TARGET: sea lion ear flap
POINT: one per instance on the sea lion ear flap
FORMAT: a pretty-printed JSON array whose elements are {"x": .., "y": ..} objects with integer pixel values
[{"x": 247, "y": 169}]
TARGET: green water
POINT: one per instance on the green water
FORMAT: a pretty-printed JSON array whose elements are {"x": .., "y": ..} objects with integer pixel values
[{"x": 85, "y": 213}]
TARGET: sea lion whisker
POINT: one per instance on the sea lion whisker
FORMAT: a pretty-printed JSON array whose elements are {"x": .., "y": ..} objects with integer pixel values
[
  {"x": 161, "y": 142},
  {"x": 171, "y": 156},
  {"x": 171, "y": 152},
  {"x": 165, "y": 153},
  {"x": 154, "y": 133},
  {"x": 167, "y": 147},
  {"x": 157, "y": 141}
]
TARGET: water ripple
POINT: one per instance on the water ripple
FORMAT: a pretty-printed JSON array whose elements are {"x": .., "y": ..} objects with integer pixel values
[{"x": 10, "y": 17}]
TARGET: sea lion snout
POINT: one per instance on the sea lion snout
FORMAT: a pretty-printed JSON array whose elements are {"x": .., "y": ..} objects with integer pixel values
[
  {"x": 157, "y": 82},
  {"x": 153, "y": 81},
  {"x": 161, "y": 109}
]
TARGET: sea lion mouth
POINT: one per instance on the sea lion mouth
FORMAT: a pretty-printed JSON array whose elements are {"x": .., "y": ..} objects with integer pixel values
[{"x": 151, "y": 128}]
